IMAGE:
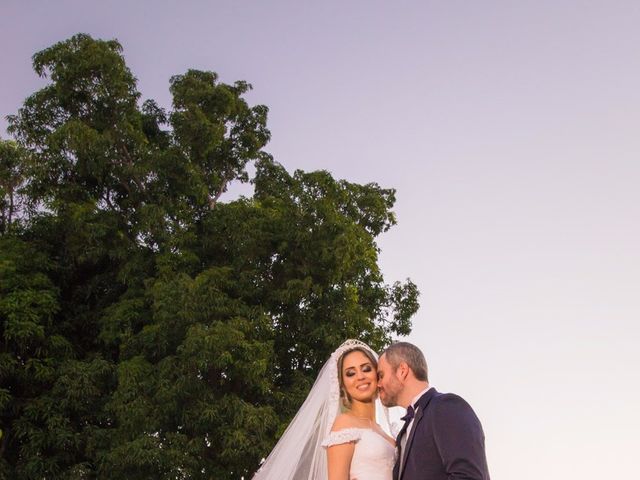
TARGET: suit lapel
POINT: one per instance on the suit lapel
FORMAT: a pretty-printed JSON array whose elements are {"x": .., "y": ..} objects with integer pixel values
[
  {"x": 421, "y": 408},
  {"x": 405, "y": 451}
]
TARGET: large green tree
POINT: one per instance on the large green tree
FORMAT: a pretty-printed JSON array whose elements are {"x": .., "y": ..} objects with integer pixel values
[
  {"x": 12, "y": 160},
  {"x": 149, "y": 328}
]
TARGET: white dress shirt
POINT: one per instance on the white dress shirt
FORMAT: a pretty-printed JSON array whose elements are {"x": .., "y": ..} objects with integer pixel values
[
  {"x": 413, "y": 404},
  {"x": 403, "y": 440}
]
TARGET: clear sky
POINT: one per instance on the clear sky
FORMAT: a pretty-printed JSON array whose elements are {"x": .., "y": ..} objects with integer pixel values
[{"x": 510, "y": 130}]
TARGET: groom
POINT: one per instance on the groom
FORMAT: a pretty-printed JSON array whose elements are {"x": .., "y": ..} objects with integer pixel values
[{"x": 442, "y": 438}]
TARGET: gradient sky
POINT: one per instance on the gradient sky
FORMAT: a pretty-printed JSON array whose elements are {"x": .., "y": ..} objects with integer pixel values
[{"x": 510, "y": 131}]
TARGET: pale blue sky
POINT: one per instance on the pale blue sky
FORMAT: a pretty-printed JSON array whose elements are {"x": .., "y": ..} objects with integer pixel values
[{"x": 510, "y": 130}]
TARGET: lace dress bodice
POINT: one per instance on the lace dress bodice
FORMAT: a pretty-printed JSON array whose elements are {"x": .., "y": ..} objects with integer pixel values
[{"x": 373, "y": 456}]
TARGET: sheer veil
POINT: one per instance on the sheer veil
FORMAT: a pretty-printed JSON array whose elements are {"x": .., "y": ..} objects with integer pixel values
[{"x": 298, "y": 454}]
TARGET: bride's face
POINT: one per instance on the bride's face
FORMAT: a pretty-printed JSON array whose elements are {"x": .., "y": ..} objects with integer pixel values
[{"x": 359, "y": 376}]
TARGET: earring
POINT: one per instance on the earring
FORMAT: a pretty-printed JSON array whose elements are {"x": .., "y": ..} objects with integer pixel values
[{"x": 346, "y": 401}]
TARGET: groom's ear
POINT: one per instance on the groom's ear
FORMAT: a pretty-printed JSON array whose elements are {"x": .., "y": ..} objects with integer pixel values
[{"x": 403, "y": 371}]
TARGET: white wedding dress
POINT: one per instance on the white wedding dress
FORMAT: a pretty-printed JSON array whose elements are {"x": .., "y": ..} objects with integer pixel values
[{"x": 373, "y": 456}]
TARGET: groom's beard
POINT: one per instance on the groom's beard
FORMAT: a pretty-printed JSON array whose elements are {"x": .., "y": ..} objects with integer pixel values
[
  {"x": 389, "y": 393},
  {"x": 388, "y": 402},
  {"x": 388, "y": 399}
]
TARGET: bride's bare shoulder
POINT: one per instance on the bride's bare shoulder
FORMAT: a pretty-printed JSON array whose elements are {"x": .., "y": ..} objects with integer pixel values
[{"x": 343, "y": 421}]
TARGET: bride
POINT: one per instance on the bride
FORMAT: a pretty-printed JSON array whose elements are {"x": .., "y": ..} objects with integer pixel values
[{"x": 337, "y": 433}]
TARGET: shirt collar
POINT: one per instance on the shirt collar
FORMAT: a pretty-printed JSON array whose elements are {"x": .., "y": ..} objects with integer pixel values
[{"x": 417, "y": 397}]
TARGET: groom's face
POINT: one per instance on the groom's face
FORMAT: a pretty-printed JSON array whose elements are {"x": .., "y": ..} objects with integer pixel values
[{"x": 389, "y": 385}]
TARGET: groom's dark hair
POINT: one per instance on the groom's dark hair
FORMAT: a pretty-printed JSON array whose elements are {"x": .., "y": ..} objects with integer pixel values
[{"x": 407, "y": 352}]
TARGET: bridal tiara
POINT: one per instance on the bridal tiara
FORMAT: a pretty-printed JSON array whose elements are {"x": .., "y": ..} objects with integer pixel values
[{"x": 352, "y": 344}]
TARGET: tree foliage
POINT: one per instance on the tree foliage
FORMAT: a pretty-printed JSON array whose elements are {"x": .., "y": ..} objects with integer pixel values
[
  {"x": 12, "y": 161},
  {"x": 149, "y": 329}
]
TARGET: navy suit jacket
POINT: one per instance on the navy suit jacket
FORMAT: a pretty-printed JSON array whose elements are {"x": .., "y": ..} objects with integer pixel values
[{"x": 446, "y": 441}]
